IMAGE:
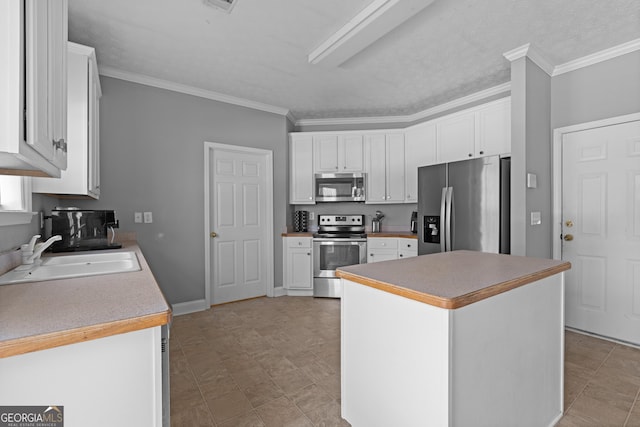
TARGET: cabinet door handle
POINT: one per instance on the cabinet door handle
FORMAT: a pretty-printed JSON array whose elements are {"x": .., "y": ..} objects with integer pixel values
[
  {"x": 401, "y": 255},
  {"x": 482, "y": 152},
  {"x": 470, "y": 155},
  {"x": 309, "y": 253}
]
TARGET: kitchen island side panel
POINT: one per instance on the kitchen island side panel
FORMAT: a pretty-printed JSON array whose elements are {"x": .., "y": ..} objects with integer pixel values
[
  {"x": 395, "y": 359},
  {"x": 507, "y": 359}
]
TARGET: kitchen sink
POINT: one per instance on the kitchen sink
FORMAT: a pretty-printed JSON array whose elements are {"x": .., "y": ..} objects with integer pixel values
[{"x": 70, "y": 266}]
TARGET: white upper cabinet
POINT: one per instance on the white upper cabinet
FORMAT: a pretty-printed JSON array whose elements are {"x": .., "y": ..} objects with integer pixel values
[
  {"x": 494, "y": 128},
  {"x": 82, "y": 176},
  {"x": 419, "y": 150},
  {"x": 301, "y": 169},
  {"x": 385, "y": 162},
  {"x": 339, "y": 153},
  {"x": 33, "y": 92},
  {"x": 456, "y": 138},
  {"x": 477, "y": 132}
]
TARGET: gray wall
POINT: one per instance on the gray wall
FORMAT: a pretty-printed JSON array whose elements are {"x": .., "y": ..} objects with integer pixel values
[
  {"x": 599, "y": 91},
  {"x": 151, "y": 159},
  {"x": 11, "y": 237}
]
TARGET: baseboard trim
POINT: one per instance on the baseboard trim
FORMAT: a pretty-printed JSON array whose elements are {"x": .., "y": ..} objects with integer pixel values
[
  {"x": 280, "y": 291},
  {"x": 189, "y": 307}
]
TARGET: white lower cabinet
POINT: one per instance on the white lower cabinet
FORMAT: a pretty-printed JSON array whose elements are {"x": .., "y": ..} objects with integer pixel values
[
  {"x": 390, "y": 248},
  {"x": 298, "y": 265},
  {"x": 82, "y": 177},
  {"x": 121, "y": 371},
  {"x": 407, "y": 248}
]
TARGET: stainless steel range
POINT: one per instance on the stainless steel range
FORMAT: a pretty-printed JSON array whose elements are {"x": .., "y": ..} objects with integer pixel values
[{"x": 340, "y": 241}]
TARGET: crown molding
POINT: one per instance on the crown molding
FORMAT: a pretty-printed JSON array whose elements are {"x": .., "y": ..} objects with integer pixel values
[
  {"x": 190, "y": 90},
  {"x": 534, "y": 54},
  {"x": 465, "y": 100},
  {"x": 603, "y": 55}
]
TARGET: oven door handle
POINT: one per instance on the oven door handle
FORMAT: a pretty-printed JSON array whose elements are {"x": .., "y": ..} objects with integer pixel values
[{"x": 334, "y": 243}]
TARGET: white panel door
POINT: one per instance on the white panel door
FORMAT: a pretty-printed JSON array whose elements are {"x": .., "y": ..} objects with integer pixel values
[
  {"x": 601, "y": 230},
  {"x": 237, "y": 211}
]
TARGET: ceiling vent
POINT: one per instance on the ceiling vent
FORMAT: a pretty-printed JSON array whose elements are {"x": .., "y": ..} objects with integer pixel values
[{"x": 225, "y": 5}]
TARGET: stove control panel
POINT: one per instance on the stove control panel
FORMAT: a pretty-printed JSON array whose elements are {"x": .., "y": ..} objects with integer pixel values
[{"x": 350, "y": 220}]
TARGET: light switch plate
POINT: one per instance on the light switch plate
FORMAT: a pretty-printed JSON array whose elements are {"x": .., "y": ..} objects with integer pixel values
[
  {"x": 148, "y": 217},
  {"x": 532, "y": 180},
  {"x": 536, "y": 218},
  {"x": 137, "y": 217}
]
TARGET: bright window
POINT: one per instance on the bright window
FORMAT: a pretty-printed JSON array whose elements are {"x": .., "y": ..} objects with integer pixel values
[{"x": 15, "y": 200}]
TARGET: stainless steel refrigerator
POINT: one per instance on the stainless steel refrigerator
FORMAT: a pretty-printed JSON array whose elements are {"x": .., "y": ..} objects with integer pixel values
[{"x": 465, "y": 205}]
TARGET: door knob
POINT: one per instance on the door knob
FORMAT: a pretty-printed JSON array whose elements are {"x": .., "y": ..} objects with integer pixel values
[
  {"x": 213, "y": 234},
  {"x": 568, "y": 237}
]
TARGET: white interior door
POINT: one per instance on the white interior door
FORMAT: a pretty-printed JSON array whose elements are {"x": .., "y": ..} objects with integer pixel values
[
  {"x": 601, "y": 229},
  {"x": 240, "y": 242}
]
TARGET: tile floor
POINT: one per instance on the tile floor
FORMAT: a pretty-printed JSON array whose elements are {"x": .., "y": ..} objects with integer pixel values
[{"x": 276, "y": 362}]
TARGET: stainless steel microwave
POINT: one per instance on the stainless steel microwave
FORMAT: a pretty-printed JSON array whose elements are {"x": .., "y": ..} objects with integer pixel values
[{"x": 340, "y": 187}]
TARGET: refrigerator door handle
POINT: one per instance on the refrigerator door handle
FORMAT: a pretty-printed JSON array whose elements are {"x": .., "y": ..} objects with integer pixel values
[
  {"x": 448, "y": 214},
  {"x": 443, "y": 206}
]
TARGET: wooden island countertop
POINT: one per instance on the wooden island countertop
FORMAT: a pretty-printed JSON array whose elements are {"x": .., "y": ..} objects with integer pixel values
[
  {"x": 452, "y": 279},
  {"x": 41, "y": 315}
]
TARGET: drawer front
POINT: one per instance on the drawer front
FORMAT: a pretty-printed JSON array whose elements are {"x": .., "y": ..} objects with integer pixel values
[
  {"x": 382, "y": 243},
  {"x": 408, "y": 245},
  {"x": 406, "y": 254},
  {"x": 298, "y": 242}
]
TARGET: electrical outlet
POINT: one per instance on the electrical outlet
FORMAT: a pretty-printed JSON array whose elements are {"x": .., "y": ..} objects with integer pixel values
[
  {"x": 536, "y": 219},
  {"x": 148, "y": 217},
  {"x": 137, "y": 217}
]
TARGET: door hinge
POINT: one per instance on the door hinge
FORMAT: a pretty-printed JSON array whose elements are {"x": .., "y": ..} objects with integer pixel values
[{"x": 60, "y": 145}]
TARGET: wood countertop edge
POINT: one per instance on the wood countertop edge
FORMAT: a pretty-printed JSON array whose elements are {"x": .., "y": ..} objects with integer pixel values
[
  {"x": 86, "y": 333},
  {"x": 462, "y": 300}
]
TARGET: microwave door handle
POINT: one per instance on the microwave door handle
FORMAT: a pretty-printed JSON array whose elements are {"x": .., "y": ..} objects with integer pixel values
[{"x": 443, "y": 206}]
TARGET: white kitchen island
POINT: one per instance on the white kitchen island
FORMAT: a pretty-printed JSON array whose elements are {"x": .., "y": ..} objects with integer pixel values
[{"x": 453, "y": 339}]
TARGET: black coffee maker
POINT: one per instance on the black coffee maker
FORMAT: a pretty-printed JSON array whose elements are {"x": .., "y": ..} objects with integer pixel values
[
  {"x": 82, "y": 230},
  {"x": 414, "y": 222}
]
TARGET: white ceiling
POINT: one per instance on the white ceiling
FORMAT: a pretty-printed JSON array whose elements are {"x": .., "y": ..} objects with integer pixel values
[{"x": 259, "y": 51}]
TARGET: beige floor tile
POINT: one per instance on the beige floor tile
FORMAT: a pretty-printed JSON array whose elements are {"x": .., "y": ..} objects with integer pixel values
[
  {"x": 185, "y": 393},
  {"x": 594, "y": 411},
  {"x": 249, "y": 419},
  {"x": 282, "y": 412},
  {"x": 634, "y": 417},
  {"x": 197, "y": 416},
  {"x": 228, "y": 406},
  {"x": 310, "y": 398},
  {"x": 216, "y": 386},
  {"x": 292, "y": 381},
  {"x": 327, "y": 415},
  {"x": 252, "y": 376},
  {"x": 262, "y": 393},
  {"x": 331, "y": 385}
]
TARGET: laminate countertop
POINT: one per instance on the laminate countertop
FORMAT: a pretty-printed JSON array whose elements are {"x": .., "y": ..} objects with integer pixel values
[
  {"x": 40, "y": 315},
  {"x": 452, "y": 279}
]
